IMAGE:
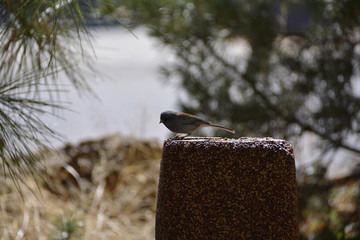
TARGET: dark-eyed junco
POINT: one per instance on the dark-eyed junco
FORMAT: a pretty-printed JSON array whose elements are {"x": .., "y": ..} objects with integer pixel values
[{"x": 179, "y": 122}]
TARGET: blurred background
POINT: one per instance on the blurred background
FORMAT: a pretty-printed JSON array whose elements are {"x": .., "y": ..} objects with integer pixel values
[
  {"x": 128, "y": 93},
  {"x": 84, "y": 82}
]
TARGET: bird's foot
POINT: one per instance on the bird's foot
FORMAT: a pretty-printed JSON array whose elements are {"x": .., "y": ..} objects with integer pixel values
[{"x": 180, "y": 136}]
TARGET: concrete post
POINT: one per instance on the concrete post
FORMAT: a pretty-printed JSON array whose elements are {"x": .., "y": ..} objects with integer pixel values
[{"x": 214, "y": 188}]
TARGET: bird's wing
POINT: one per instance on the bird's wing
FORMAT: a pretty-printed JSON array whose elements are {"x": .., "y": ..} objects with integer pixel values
[{"x": 189, "y": 119}]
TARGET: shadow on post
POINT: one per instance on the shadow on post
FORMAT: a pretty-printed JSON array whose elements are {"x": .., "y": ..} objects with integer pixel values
[{"x": 214, "y": 188}]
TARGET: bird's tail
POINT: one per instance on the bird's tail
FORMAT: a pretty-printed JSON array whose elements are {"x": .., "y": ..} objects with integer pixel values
[{"x": 220, "y": 127}]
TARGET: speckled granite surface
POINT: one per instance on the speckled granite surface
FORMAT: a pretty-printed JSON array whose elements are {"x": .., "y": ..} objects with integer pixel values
[{"x": 215, "y": 188}]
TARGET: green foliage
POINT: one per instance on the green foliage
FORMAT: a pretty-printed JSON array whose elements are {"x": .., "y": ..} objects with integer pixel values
[
  {"x": 38, "y": 39},
  {"x": 22, "y": 130},
  {"x": 68, "y": 227},
  {"x": 107, "y": 7},
  {"x": 40, "y": 36}
]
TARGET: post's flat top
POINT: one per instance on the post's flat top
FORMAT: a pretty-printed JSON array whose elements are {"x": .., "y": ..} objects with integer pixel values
[
  {"x": 243, "y": 142},
  {"x": 220, "y": 139}
]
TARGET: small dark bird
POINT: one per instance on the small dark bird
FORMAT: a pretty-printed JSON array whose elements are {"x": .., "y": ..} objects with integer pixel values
[{"x": 179, "y": 122}]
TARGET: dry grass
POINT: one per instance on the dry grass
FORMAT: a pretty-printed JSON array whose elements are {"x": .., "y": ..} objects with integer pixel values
[{"x": 104, "y": 189}]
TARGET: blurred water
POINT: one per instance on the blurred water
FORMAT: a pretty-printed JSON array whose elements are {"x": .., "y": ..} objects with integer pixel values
[{"x": 131, "y": 95}]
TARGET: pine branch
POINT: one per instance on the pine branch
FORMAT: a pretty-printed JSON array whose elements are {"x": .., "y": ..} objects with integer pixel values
[
  {"x": 38, "y": 40},
  {"x": 274, "y": 108},
  {"x": 22, "y": 130}
]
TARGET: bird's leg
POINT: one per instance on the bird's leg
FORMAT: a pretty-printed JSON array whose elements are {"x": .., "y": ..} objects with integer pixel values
[{"x": 178, "y": 136}]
